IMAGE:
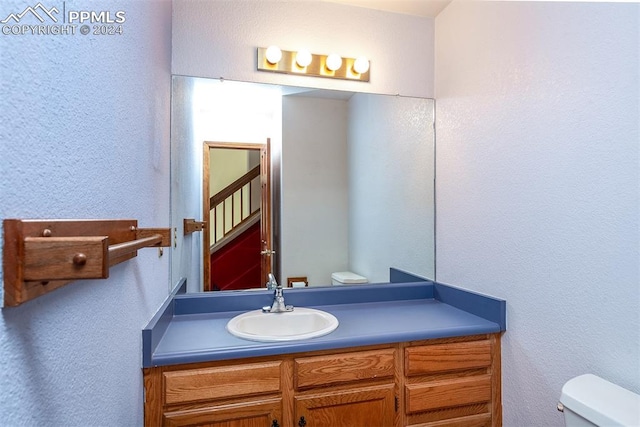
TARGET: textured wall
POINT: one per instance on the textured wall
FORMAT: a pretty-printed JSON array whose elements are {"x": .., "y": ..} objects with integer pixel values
[
  {"x": 84, "y": 132},
  {"x": 538, "y": 187},
  {"x": 314, "y": 181},
  {"x": 219, "y": 39},
  {"x": 391, "y": 151}
]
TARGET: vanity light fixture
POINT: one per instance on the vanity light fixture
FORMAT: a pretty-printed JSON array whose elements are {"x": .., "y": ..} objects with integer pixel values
[{"x": 302, "y": 62}]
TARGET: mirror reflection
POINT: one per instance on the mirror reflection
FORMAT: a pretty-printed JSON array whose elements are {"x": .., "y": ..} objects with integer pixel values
[
  {"x": 351, "y": 179},
  {"x": 237, "y": 205}
]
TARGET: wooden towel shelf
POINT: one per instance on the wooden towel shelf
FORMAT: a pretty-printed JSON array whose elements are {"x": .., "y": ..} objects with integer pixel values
[{"x": 40, "y": 256}]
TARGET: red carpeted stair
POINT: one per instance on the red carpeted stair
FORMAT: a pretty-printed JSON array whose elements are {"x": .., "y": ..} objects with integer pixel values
[{"x": 237, "y": 264}]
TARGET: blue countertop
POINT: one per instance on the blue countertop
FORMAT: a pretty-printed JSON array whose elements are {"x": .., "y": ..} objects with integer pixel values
[{"x": 192, "y": 328}]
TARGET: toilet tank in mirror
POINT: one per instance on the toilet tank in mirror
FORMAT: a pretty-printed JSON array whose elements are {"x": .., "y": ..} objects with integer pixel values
[{"x": 351, "y": 184}]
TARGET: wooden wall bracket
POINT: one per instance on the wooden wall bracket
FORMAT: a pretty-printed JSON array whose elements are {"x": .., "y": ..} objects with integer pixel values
[
  {"x": 40, "y": 256},
  {"x": 190, "y": 225}
]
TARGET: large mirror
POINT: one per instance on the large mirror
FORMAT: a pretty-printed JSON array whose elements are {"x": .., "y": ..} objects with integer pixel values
[{"x": 351, "y": 179}]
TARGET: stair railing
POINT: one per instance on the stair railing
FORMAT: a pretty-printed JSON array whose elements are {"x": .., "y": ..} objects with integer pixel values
[{"x": 220, "y": 202}]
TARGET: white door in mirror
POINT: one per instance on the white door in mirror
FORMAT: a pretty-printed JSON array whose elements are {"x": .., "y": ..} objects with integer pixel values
[{"x": 299, "y": 324}]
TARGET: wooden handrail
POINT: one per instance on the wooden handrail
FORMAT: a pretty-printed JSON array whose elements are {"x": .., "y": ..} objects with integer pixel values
[{"x": 221, "y": 195}]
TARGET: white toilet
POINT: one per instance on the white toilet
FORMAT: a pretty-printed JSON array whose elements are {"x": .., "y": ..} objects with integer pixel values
[
  {"x": 346, "y": 278},
  {"x": 588, "y": 400}
]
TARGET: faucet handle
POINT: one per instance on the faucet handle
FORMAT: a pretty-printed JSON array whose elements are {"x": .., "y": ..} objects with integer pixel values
[{"x": 278, "y": 305}]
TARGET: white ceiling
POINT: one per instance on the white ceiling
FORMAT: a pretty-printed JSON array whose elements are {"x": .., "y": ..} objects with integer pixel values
[{"x": 428, "y": 8}]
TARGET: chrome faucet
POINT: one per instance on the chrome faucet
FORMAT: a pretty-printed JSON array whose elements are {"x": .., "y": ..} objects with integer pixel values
[
  {"x": 278, "y": 305},
  {"x": 271, "y": 283}
]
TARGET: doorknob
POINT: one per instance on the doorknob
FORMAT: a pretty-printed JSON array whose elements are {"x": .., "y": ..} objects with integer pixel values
[{"x": 267, "y": 252}]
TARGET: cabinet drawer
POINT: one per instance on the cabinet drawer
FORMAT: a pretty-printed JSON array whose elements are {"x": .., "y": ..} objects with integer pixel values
[
  {"x": 223, "y": 381},
  {"x": 429, "y": 359},
  {"x": 344, "y": 367},
  {"x": 447, "y": 393}
]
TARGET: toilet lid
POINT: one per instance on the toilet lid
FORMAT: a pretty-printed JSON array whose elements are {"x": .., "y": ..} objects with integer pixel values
[
  {"x": 348, "y": 277},
  {"x": 601, "y": 402}
]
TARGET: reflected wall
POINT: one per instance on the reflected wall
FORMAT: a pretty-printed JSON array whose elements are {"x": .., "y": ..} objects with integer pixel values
[{"x": 391, "y": 185}]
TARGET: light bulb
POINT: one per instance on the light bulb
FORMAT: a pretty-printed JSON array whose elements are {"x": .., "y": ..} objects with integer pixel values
[
  {"x": 334, "y": 62},
  {"x": 361, "y": 65},
  {"x": 303, "y": 58},
  {"x": 273, "y": 54}
]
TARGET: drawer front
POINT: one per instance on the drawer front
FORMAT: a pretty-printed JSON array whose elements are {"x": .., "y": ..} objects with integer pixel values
[
  {"x": 447, "y": 393},
  {"x": 345, "y": 367},
  {"x": 430, "y": 359},
  {"x": 222, "y": 381}
]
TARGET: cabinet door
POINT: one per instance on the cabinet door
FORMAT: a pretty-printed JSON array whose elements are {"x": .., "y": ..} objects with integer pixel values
[
  {"x": 263, "y": 413},
  {"x": 357, "y": 407}
]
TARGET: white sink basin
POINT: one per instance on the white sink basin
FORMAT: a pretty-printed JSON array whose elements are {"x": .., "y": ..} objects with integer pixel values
[{"x": 299, "y": 324}]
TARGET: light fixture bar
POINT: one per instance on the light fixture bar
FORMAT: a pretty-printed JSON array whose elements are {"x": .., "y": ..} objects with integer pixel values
[{"x": 317, "y": 68}]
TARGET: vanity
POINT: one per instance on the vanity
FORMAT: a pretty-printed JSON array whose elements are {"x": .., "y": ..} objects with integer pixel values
[{"x": 410, "y": 352}]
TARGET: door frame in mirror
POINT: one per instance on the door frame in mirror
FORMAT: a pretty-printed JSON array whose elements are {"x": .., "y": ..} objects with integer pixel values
[{"x": 267, "y": 207}]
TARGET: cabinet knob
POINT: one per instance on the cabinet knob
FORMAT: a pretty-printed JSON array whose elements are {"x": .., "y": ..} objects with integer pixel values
[
  {"x": 275, "y": 423},
  {"x": 302, "y": 422}
]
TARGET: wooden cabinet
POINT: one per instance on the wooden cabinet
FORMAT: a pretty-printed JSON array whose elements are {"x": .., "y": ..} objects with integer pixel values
[
  {"x": 444, "y": 382},
  {"x": 347, "y": 389},
  {"x": 453, "y": 382}
]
